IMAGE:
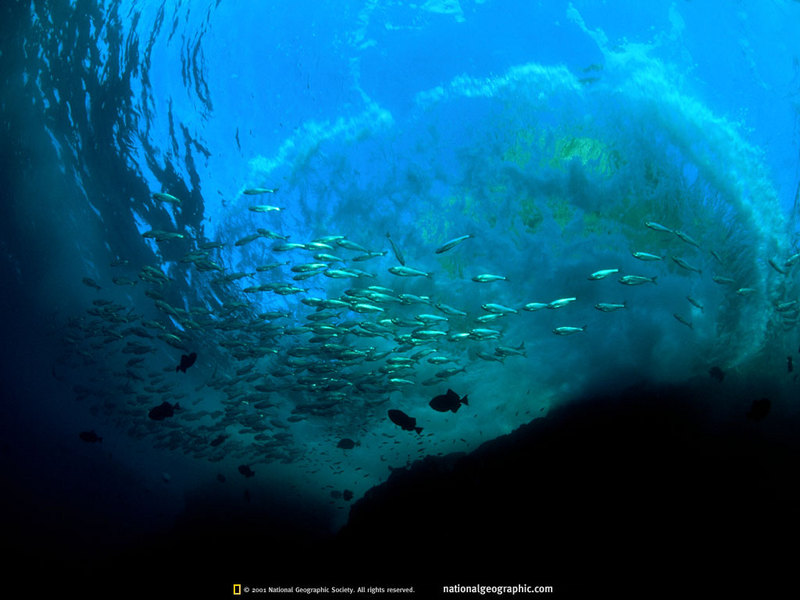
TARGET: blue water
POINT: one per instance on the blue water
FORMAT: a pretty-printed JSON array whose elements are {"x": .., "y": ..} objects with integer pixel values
[{"x": 549, "y": 132}]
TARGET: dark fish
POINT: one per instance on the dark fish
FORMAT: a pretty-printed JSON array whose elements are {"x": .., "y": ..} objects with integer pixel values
[
  {"x": 186, "y": 362},
  {"x": 90, "y": 437},
  {"x": 449, "y": 401},
  {"x": 347, "y": 495},
  {"x": 716, "y": 373},
  {"x": 789, "y": 365},
  {"x": 398, "y": 417},
  {"x": 759, "y": 410},
  {"x": 347, "y": 444},
  {"x": 218, "y": 440},
  {"x": 397, "y": 254},
  {"x": 163, "y": 410},
  {"x": 246, "y": 471},
  {"x": 88, "y": 281}
]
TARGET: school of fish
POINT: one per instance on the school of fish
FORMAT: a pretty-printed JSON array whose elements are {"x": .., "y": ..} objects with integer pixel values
[{"x": 332, "y": 362}]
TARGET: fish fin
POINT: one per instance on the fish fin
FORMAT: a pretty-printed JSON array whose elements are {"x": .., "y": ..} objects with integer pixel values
[
  {"x": 465, "y": 401},
  {"x": 418, "y": 429}
]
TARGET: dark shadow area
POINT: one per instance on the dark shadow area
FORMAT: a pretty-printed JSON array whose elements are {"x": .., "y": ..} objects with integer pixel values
[{"x": 652, "y": 490}]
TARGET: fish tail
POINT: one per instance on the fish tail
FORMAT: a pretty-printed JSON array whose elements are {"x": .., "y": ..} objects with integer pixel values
[
  {"x": 418, "y": 429},
  {"x": 465, "y": 400}
]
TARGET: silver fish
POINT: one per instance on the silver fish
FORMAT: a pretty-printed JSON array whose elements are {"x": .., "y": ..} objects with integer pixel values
[
  {"x": 636, "y": 279},
  {"x": 603, "y": 274},
  {"x": 566, "y": 330},
  {"x": 452, "y": 243}
]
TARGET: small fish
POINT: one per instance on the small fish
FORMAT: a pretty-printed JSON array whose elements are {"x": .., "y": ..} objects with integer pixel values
[
  {"x": 218, "y": 440},
  {"x": 246, "y": 470},
  {"x": 247, "y": 239},
  {"x": 498, "y": 308},
  {"x": 428, "y": 334},
  {"x": 428, "y": 319},
  {"x": 347, "y": 444},
  {"x": 745, "y": 291},
  {"x": 488, "y": 277},
  {"x": 123, "y": 281},
  {"x": 484, "y": 334},
  {"x": 407, "y": 272},
  {"x": 603, "y": 274},
  {"x": 90, "y": 437},
  {"x": 406, "y": 423},
  {"x": 785, "y": 306},
  {"x": 162, "y": 197},
  {"x": 445, "y": 373},
  {"x": 561, "y": 302},
  {"x": 792, "y": 260},
  {"x": 686, "y": 238},
  {"x": 339, "y": 273},
  {"x": 488, "y": 318},
  {"x": 448, "y": 402},
  {"x": 647, "y": 256},
  {"x": 350, "y": 245},
  {"x": 774, "y": 265},
  {"x": 264, "y": 208},
  {"x": 683, "y": 320},
  {"x": 163, "y": 410},
  {"x": 186, "y": 362},
  {"x": 364, "y": 307},
  {"x": 658, "y": 227},
  {"x": 684, "y": 265},
  {"x": 88, "y": 281},
  {"x": 449, "y": 310},
  {"x": 568, "y": 330},
  {"x": 397, "y": 254},
  {"x": 722, "y": 280},
  {"x": 368, "y": 255},
  {"x": 452, "y": 243},
  {"x": 609, "y": 307},
  {"x": 505, "y": 351},
  {"x": 636, "y": 279},
  {"x": 309, "y": 267},
  {"x": 259, "y": 190},
  {"x": 531, "y": 306},
  {"x": 695, "y": 303},
  {"x": 327, "y": 257}
]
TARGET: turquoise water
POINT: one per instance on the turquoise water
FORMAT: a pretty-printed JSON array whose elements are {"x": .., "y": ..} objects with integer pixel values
[{"x": 562, "y": 138}]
